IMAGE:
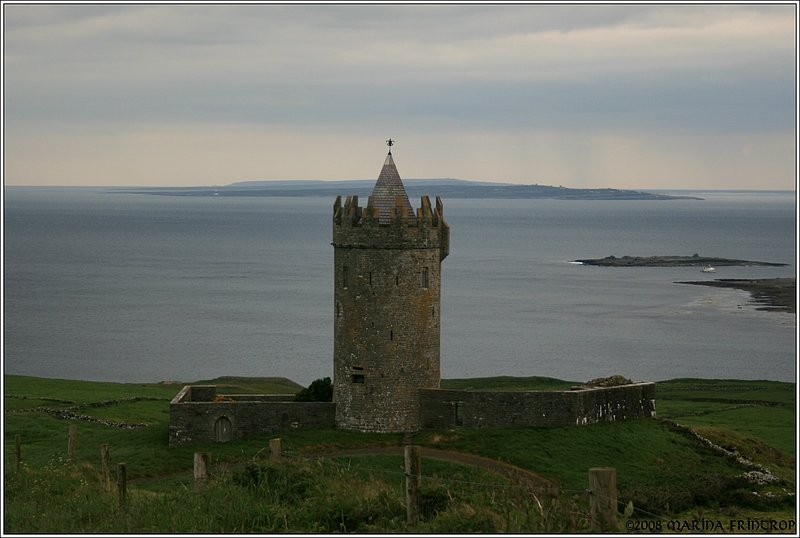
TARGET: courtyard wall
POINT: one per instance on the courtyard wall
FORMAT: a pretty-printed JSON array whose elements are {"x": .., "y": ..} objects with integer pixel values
[
  {"x": 440, "y": 408},
  {"x": 199, "y": 415}
]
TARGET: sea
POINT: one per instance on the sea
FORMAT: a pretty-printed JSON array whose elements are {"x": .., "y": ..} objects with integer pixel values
[{"x": 102, "y": 284}]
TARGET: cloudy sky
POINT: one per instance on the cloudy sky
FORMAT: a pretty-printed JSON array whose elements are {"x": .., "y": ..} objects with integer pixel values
[{"x": 623, "y": 96}]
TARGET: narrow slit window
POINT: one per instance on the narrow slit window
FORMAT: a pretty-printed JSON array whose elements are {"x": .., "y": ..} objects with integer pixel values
[
  {"x": 338, "y": 310},
  {"x": 391, "y": 335},
  {"x": 424, "y": 277},
  {"x": 357, "y": 375},
  {"x": 396, "y": 280},
  {"x": 344, "y": 276},
  {"x": 370, "y": 278}
]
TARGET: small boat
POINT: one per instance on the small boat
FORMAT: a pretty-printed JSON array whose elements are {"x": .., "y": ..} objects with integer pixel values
[{"x": 708, "y": 269}]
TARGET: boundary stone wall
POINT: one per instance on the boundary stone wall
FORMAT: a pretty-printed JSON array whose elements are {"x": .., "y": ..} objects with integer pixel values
[
  {"x": 197, "y": 415},
  {"x": 441, "y": 408}
]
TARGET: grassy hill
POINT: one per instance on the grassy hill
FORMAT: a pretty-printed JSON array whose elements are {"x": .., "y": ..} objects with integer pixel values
[
  {"x": 662, "y": 466},
  {"x": 507, "y": 383}
]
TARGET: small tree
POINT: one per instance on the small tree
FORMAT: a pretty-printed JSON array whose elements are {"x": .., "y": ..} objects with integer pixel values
[{"x": 320, "y": 390}]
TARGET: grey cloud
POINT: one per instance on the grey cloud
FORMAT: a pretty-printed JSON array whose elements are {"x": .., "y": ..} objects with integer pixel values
[
  {"x": 694, "y": 100},
  {"x": 694, "y": 69}
]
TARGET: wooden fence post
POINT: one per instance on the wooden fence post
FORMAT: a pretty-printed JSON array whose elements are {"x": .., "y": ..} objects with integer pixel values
[
  {"x": 122, "y": 485},
  {"x": 603, "y": 497},
  {"x": 275, "y": 450},
  {"x": 413, "y": 467},
  {"x": 18, "y": 451},
  {"x": 71, "y": 440},
  {"x": 105, "y": 465},
  {"x": 201, "y": 460}
]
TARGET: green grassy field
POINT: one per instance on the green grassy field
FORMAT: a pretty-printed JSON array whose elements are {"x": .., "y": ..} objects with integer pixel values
[
  {"x": 756, "y": 418},
  {"x": 662, "y": 468}
]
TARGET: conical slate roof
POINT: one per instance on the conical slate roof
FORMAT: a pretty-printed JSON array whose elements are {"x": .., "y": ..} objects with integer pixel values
[{"x": 387, "y": 189}]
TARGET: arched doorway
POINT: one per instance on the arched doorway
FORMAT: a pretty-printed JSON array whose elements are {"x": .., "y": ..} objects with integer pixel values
[{"x": 222, "y": 430}]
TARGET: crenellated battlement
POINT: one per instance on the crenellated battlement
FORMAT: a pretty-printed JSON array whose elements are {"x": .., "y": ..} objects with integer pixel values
[
  {"x": 353, "y": 214},
  {"x": 355, "y": 226}
]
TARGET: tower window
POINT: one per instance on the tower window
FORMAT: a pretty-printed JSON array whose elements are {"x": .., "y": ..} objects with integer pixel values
[
  {"x": 424, "y": 277},
  {"x": 370, "y": 278},
  {"x": 358, "y": 374},
  {"x": 396, "y": 280},
  {"x": 344, "y": 276},
  {"x": 391, "y": 335},
  {"x": 338, "y": 309}
]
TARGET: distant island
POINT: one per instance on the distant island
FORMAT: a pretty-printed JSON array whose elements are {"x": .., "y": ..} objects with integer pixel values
[
  {"x": 446, "y": 188},
  {"x": 671, "y": 261}
]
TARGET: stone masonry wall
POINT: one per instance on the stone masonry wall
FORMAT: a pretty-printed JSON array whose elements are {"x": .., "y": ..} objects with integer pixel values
[
  {"x": 386, "y": 315},
  {"x": 387, "y": 332},
  {"x": 196, "y": 418},
  {"x": 487, "y": 409}
]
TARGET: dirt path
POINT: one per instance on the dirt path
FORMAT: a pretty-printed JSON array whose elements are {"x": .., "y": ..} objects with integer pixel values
[{"x": 515, "y": 474}]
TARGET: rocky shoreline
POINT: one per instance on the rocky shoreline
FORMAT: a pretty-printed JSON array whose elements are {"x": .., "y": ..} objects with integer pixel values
[{"x": 773, "y": 294}]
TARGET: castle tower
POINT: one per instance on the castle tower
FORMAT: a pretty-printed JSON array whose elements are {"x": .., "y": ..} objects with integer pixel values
[{"x": 387, "y": 263}]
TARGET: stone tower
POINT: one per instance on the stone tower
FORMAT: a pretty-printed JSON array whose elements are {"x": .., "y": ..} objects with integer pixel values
[{"x": 387, "y": 263}]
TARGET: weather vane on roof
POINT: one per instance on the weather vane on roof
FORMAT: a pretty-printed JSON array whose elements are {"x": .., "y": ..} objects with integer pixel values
[{"x": 390, "y": 143}]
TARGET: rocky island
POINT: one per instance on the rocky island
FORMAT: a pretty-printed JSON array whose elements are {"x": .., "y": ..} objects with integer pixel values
[{"x": 671, "y": 261}]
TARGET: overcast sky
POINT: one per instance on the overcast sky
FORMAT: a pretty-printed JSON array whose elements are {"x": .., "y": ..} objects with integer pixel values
[{"x": 623, "y": 96}]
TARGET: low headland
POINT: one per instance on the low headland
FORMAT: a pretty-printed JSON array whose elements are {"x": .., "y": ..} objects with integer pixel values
[
  {"x": 448, "y": 188},
  {"x": 772, "y": 294}
]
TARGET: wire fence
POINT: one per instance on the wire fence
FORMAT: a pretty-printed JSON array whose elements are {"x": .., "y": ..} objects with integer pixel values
[
  {"x": 519, "y": 491},
  {"x": 509, "y": 479},
  {"x": 626, "y": 508}
]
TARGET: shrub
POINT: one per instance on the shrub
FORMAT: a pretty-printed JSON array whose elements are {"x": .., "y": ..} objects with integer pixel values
[
  {"x": 463, "y": 518},
  {"x": 278, "y": 483},
  {"x": 320, "y": 390},
  {"x": 433, "y": 500}
]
